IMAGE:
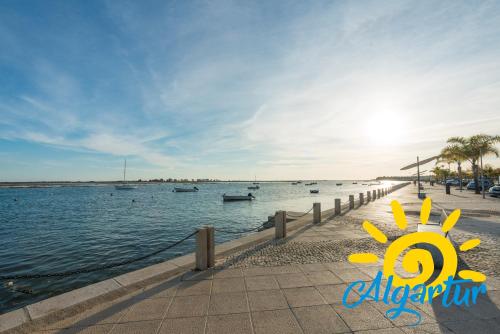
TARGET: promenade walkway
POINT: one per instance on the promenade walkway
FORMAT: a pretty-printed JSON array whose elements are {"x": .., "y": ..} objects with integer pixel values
[{"x": 296, "y": 285}]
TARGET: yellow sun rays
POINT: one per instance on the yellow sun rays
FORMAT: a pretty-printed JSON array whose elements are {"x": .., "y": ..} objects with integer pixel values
[
  {"x": 425, "y": 212},
  {"x": 401, "y": 222},
  {"x": 399, "y": 215},
  {"x": 472, "y": 275},
  {"x": 363, "y": 258},
  {"x": 374, "y": 232},
  {"x": 451, "y": 220}
]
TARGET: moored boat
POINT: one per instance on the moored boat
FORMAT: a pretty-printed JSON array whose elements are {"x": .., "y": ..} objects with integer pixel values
[
  {"x": 125, "y": 185},
  {"x": 229, "y": 198},
  {"x": 339, "y": 184},
  {"x": 185, "y": 190},
  {"x": 253, "y": 187},
  {"x": 314, "y": 191}
]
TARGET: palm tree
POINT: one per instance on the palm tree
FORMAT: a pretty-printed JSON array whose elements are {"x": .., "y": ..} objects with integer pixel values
[
  {"x": 454, "y": 153},
  {"x": 473, "y": 148}
]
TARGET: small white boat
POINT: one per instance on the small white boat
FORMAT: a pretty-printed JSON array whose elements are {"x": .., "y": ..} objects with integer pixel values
[
  {"x": 125, "y": 185},
  {"x": 314, "y": 191},
  {"x": 228, "y": 198},
  {"x": 253, "y": 187},
  {"x": 185, "y": 190}
]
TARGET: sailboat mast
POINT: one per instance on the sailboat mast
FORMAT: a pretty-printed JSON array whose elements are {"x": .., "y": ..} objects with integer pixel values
[{"x": 124, "y": 170}]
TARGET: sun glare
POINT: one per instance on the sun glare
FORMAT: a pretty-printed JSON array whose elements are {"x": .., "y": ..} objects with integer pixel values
[{"x": 385, "y": 128}]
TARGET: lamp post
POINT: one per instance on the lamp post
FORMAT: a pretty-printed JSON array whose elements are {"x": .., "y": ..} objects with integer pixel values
[{"x": 482, "y": 176}]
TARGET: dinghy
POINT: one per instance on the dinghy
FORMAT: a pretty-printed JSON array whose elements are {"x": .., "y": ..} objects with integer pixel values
[
  {"x": 254, "y": 187},
  {"x": 185, "y": 190},
  {"x": 314, "y": 191},
  {"x": 339, "y": 184},
  {"x": 229, "y": 198}
]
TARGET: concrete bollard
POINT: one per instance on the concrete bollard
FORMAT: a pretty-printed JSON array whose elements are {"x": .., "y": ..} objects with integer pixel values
[
  {"x": 374, "y": 195},
  {"x": 361, "y": 199},
  {"x": 201, "y": 249},
  {"x": 280, "y": 225},
  {"x": 316, "y": 213},
  {"x": 210, "y": 246},
  {"x": 338, "y": 209},
  {"x": 351, "y": 202},
  {"x": 368, "y": 196}
]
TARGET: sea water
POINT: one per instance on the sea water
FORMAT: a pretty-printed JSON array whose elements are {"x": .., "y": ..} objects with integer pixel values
[{"x": 44, "y": 230}]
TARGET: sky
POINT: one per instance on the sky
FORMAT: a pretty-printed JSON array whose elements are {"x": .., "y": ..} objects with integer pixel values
[{"x": 241, "y": 89}]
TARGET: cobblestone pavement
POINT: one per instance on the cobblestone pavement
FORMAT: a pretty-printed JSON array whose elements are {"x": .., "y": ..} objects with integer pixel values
[{"x": 296, "y": 286}]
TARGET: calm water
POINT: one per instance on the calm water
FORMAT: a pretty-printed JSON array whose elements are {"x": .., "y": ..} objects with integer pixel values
[{"x": 65, "y": 228}]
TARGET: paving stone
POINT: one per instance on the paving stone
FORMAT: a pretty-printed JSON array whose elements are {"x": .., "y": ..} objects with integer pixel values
[
  {"x": 311, "y": 267},
  {"x": 372, "y": 272},
  {"x": 278, "y": 270},
  {"x": 473, "y": 326},
  {"x": 229, "y": 324},
  {"x": 194, "y": 275},
  {"x": 228, "y": 273},
  {"x": 323, "y": 278},
  {"x": 193, "y": 325},
  {"x": 188, "y": 306},
  {"x": 228, "y": 285},
  {"x": 442, "y": 314},
  {"x": 405, "y": 318},
  {"x": 257, "y": 271},
  {"x": 226, "y": 303},
  {"x": 393, "y": 330},
  {"x": 275, "y": 322},
  {"x": 485, "y": 308},
  {"x": 267, "y": 300},
  {"x": 304, "y": 296},
  {"x": 261, "y": 283},
  {"x": 431, "y": 328},
  {"x": 139, "y": 327},
  {"x": 194, "y": 288},
  {"x": 166, "y": 289},
  {"x": 333, "y": 266},
  {"x": 320, "y": 319},
  {"x": 103, "y": 314},
  {"x": 334, "y": 293},
  {"x": 147, "y": 309},
  {"x": 349, "y": 275},
  {"x": 292, "y": 280},
  {"x": 362, "y": 317}
]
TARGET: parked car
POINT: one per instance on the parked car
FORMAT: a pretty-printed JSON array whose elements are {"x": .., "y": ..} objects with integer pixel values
[
  {"x": 472, "y": 185},
  {"x": 494, "y": 191},
  {"x": 453, "y": 182}
]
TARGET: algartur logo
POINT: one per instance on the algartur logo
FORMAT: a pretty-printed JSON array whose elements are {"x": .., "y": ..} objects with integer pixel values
[{"x": 425, "y": 283}]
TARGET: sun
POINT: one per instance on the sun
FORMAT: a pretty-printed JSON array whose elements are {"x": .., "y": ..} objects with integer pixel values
[
  {"x": 385, "y": 128},
  {"x": 416, "y": 259}
]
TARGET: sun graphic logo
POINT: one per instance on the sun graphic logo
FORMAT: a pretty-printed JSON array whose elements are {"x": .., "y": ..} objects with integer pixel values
[{"x": 418, "y": 251}]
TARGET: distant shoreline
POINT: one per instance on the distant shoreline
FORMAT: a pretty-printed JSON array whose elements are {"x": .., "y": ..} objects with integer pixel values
[{"x": 48, "y": 184}]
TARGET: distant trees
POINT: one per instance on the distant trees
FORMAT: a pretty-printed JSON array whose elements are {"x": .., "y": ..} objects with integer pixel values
[{"x": 471, "y": 149}]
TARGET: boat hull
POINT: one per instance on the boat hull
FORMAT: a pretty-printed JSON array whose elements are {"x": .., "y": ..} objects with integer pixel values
[
  {"x": 236, "y": 198},
  {"x": 125, "y": 187},
  {"x": 184, "y": 190}
]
